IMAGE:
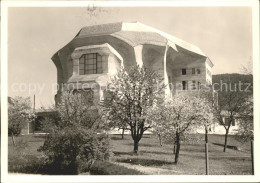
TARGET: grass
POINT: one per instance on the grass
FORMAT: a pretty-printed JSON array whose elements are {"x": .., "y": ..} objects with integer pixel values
[
  {"x": 108, "y": 168},
  {"x": 24, "y": 157},
  {"x": 151, "y": 159},
  {"x": 191, "y": 160}
]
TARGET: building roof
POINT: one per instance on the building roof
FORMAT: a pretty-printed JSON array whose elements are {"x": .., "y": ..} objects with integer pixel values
[{"x": 137, "y": 33}]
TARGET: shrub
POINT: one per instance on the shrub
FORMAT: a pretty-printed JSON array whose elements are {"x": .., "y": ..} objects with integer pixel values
[
  {"x": 72, "y": 149},
  {"x": 107, "y": 168},
  {"x": 73, "y": 141}
]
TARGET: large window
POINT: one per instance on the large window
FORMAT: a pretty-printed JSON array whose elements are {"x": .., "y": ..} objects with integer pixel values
[{"x": 90, "y": 64}]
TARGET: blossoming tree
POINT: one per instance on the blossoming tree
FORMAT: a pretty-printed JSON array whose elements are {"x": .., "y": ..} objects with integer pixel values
[
  {"x": 176, "y": 115},
  {"x": 131, "y": 96}
]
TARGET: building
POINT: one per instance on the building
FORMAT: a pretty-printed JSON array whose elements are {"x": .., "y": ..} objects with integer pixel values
[{"x": 96, "y": 52}]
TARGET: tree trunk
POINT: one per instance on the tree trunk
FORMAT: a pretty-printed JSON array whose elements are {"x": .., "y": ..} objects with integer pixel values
[
  {"x": 206, "y": 151},
  {"x": 226, "y": 136},
  {"x": 178, "y": 145},
  {"x": 206, "y": 135},
  {"x": 136, "y": 146},
  {"x": 252, "y": 156},
  {"x": 137, "y": 134},
  {"x": 123, "y": 132},
  {"x": 207, "y": 158},
  {"x": 174, "y": 147},
  {"x": 160, "y": 139},
  {"x": 13, "y": 139}
]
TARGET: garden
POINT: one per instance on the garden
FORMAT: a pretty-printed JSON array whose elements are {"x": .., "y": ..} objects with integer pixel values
[
  {"x": 162, "y": 133},
  {"x": 152, "y": 159}
]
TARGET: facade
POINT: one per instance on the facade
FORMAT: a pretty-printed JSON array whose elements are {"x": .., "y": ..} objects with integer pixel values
[{"x": 96, "y": 52}]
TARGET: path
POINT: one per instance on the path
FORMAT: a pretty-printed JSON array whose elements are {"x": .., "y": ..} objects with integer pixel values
[{"x": 149, "y": 170}]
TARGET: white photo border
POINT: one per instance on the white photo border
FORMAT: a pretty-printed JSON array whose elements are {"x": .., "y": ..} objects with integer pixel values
[{"x": 254, "y": 4}]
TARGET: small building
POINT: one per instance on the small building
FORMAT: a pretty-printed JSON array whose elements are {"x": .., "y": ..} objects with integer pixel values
[
  {"x": 41, "y": 116},
  {"x": 90, "y": 59}
]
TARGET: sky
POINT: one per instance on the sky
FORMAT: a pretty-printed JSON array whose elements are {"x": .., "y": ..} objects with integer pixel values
[{"x": 35, "y": 34}]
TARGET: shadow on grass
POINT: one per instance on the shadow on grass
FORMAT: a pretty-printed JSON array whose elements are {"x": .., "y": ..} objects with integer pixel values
[
  {"x": 191, "y": 151},
  {"x": 228, "y": 146},
  {"x": 117, "y": 153},
  {"x": 157, "y": 152},
  {"x": 147, "y": 136},
  {"x": 143, "y": 145},
  {"x": 145, "y": 162},
  {"x": 117, "y": 138},
  {"x": 231, "y": 158},
  {"x": 192, "y": 155}
]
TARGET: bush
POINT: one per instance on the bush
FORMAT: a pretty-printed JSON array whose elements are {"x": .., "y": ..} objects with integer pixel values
[
  {"x": 73, "y": 142},
  {"x": 72, "y": 149},
  {"x": 107, "y": 168}
]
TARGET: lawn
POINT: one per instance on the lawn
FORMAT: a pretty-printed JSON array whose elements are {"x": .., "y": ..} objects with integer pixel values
[
  {"x": 24, "y": 157},
  {"x": 152, "y": 158}
]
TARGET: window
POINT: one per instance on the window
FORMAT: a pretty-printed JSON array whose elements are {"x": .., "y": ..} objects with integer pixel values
[
  {"x": 199, "y": 85},
  {"x": 193, "y": 71},
  {"x": 184, "y": 83},
  {"x": 90, "y": 64},
  {"x": 183, "y": 71},
  {"x": 193, "y": 85},
  {"x": 198, "y": 71}
]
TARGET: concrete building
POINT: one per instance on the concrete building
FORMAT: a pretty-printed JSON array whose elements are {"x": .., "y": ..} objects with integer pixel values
[{"x": 96, "y": 52}]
